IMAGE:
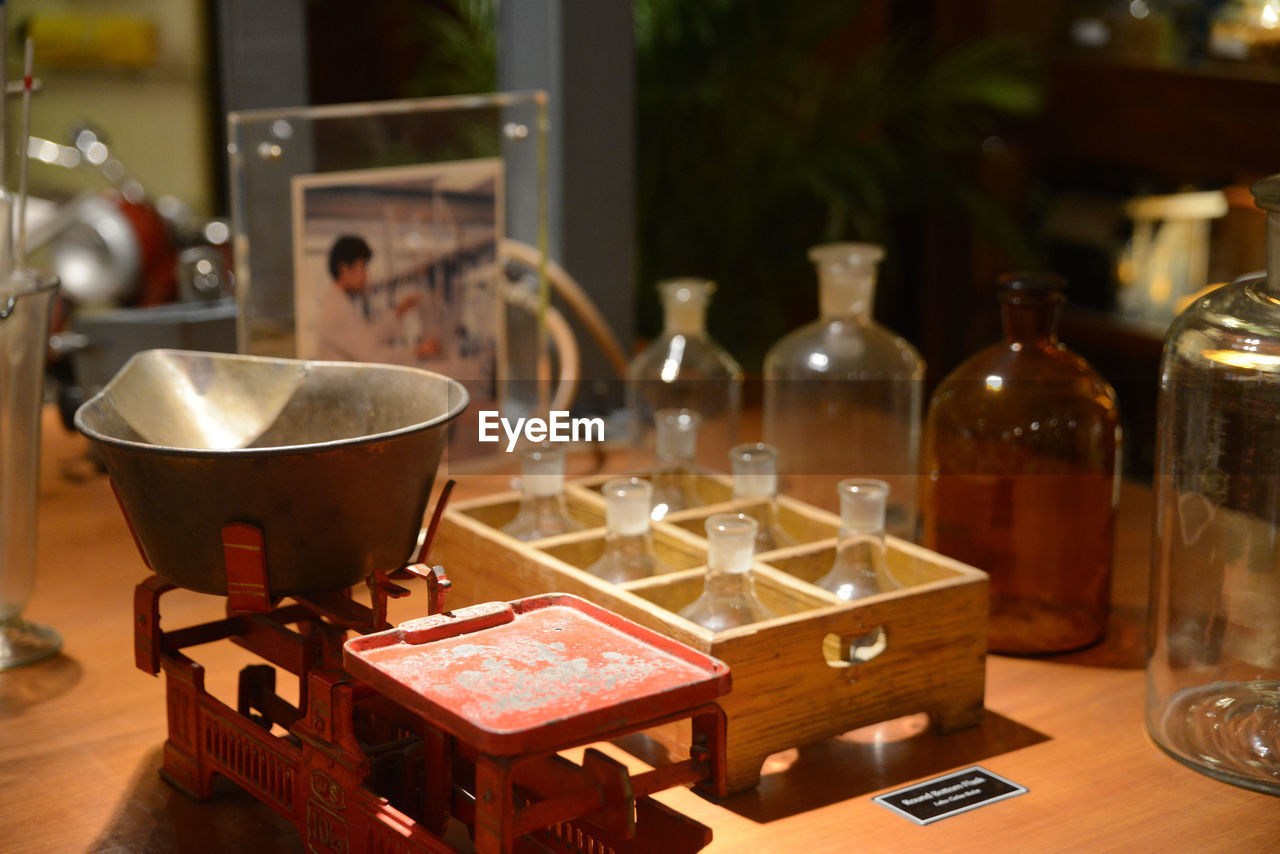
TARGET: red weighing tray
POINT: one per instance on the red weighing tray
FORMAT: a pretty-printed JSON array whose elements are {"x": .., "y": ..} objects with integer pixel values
[{"x": 537, "y": 674}]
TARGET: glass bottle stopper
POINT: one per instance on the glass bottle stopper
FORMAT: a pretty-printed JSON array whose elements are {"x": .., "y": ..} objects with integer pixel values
[
  {"x": 626, "y": 508},
  {"x": 846, "y": 276},
  {"x": 676, "y": 434},
  {"x": 542, "y": 470},
  {"x": 862, "y": 507},
  {"x": 755, "y": 470},
  {"x": 684, "y": 303},
  {"x": 1266, "y": 195},
  {"x": 1030, "y": 303},
  {"x": 1032, "y": 282},
  {"x": 731, "y": 540}
]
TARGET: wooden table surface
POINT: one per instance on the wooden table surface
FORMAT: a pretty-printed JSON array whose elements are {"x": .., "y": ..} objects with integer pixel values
[{"x": 81, "y": 734}]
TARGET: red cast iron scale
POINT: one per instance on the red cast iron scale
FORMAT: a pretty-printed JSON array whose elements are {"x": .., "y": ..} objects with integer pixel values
[{"x": 405, "y": 737}]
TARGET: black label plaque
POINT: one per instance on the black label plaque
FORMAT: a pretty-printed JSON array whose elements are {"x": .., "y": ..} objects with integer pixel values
[{"x": 955, "y": 793}]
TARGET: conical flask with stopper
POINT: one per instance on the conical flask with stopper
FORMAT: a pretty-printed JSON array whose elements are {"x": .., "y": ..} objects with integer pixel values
[
  {"x": 685, "y": 368},
  {"x": 542, "y": 511},
  {"x": 675, "y": 446},
  {"x": 755, "y": 475},
  {"x": 728, "y": 597},
  {"x": 861, "y": 566},
  {"x": 628, "y": 546},
  {"x": 1213, "y": 667},
  {"x": 843, "y": 394}
]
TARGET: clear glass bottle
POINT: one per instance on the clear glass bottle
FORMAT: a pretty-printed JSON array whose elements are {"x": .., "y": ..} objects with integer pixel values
[
  {"x": 755, "y": 475},
  {"x": 628, "y": 545},
  {"x": 1022, "y": 462},
  {"x": 1213, "y": 668},
  {"x": 843, "y": 395},
  {"x": 26, "y": 305},
  {"x": 861, "y": 566},
  {"x": 728, "y": 597},
  {"x": 676, "y": 444},
  {"x": 542, "y": 510},
  {"x": 684, "y": 367}
]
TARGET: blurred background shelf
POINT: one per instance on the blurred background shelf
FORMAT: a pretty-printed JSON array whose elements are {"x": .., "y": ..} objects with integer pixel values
[
  {"x": 1213, "y": 123},
  {"x": 723, "y": 140}
]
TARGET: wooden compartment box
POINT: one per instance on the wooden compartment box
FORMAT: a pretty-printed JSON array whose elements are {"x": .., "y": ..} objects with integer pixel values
[{"x": 821, "y": 668}]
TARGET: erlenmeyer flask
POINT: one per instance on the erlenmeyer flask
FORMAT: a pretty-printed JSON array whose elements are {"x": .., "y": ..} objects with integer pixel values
[
  {"x": 542, "y": 510},
  {"x": 728, "y": 595},
  {"x": 861, "y": 566},
  {"x": 628, "y": 546},
  {"x": 755, "y": 475},
  {"x": 674, "y": 466}
]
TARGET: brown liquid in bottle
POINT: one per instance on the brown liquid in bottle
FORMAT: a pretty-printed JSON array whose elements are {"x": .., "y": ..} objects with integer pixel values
[{"x": 1020, "y": 456}]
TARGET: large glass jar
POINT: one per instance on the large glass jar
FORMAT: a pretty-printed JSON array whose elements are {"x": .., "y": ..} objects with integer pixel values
[
  {"x": 843, "y": 395},
  {"x": 1021, "y": 456},
  {"x": 1213, "y": 670},
  {"x": 685, "y": 368}
]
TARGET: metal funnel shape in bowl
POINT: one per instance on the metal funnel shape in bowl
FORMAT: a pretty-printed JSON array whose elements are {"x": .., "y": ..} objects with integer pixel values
[{"x": 334, "y": 461}]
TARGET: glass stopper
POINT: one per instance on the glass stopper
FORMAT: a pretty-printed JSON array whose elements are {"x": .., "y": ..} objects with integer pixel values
[
  {"x": 731, "y": 539},
  {"x": 755, "y": 470},
  {"x": 862, "y": 506},
  {"x": 627, "y": 504},
  {"x": 677, "y": 433},
  {"x": 542, "y": 470}
]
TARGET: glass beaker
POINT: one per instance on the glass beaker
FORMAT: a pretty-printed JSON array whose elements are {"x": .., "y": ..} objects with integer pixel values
[
  {"x": 843, "y": 395},
  {"x": 685, "y": 368},
  {"x": 26, "y": 298},
  {"x": 1213, "y": 666}
]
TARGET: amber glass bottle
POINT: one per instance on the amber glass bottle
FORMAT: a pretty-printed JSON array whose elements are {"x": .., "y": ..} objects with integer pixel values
[{"x": 1021, "y": 457}]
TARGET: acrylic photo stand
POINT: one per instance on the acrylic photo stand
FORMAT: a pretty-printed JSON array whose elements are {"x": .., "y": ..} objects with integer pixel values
[{"x": 436, "y": 189}]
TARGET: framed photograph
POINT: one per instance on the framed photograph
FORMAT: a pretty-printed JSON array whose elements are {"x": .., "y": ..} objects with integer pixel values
[{"x": 399, "y": 265}]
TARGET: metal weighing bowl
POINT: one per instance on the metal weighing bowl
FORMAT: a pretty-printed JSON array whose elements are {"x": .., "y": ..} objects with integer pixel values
[{"x": 334, "y": 461}]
